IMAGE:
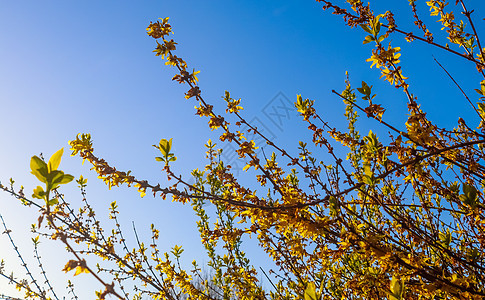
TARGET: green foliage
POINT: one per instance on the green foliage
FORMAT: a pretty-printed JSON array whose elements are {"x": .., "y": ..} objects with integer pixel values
[
  {"x": 164, "y": 146},
  {"x": 48, "y": 174},
  {"x": 373, "y": 28}
]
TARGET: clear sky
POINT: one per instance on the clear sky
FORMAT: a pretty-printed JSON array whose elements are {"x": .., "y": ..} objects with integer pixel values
[{"x": 87, "y": 66}]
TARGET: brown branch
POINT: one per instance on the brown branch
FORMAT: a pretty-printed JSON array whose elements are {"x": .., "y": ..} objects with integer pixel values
[{"x": 475, "y": 34}]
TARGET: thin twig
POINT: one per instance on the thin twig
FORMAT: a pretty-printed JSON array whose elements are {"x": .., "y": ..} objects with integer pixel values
[{"x": 462, "y": 91}]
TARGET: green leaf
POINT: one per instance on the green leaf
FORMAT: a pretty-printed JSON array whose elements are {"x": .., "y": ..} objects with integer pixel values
[
  {"x": 481, "y": 107},
  {"x": 66, "y": 179},
  {"x": 378, "y": 26},
  {"x": 310, "y": 292},
  {"x": 36, "y": 163},
  {"x": 38, "y": 193},
  {"x": 177, "y": 251},
  {"x": 368, "y": 170},
  {"x": 52, "y": 202},
  {"x": 445, "y": 238},
  {"x": 481, "y": 91},
  {"x": 397, "y": 289},
  {"x": 82, "y": 181},
  {"x": 55, "y": 176},
  {"x": 227, "y": 96},
  {"x": 470, "y": 195},
  {"x": 368, "y": 180},
  {"x": 55, "y": 160},
  {"x": 366, "y": 90},
  {"x": 334, "y": 206},
  {"x": 366, "y": 28},
  {"x": 470, "y": 191},
  {"x": 39, "y": 168},
  {"x": 165, "y": 146},
  {"x": 472, "y": 254},
  {"x": 368, "y": 39}
]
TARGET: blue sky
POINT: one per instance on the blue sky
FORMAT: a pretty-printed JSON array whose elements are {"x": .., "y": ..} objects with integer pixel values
[{"x": 68, "y": 67}]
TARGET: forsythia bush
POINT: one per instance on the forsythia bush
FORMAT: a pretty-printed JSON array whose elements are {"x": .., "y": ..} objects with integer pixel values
[{"x": 396, "y": 217}]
